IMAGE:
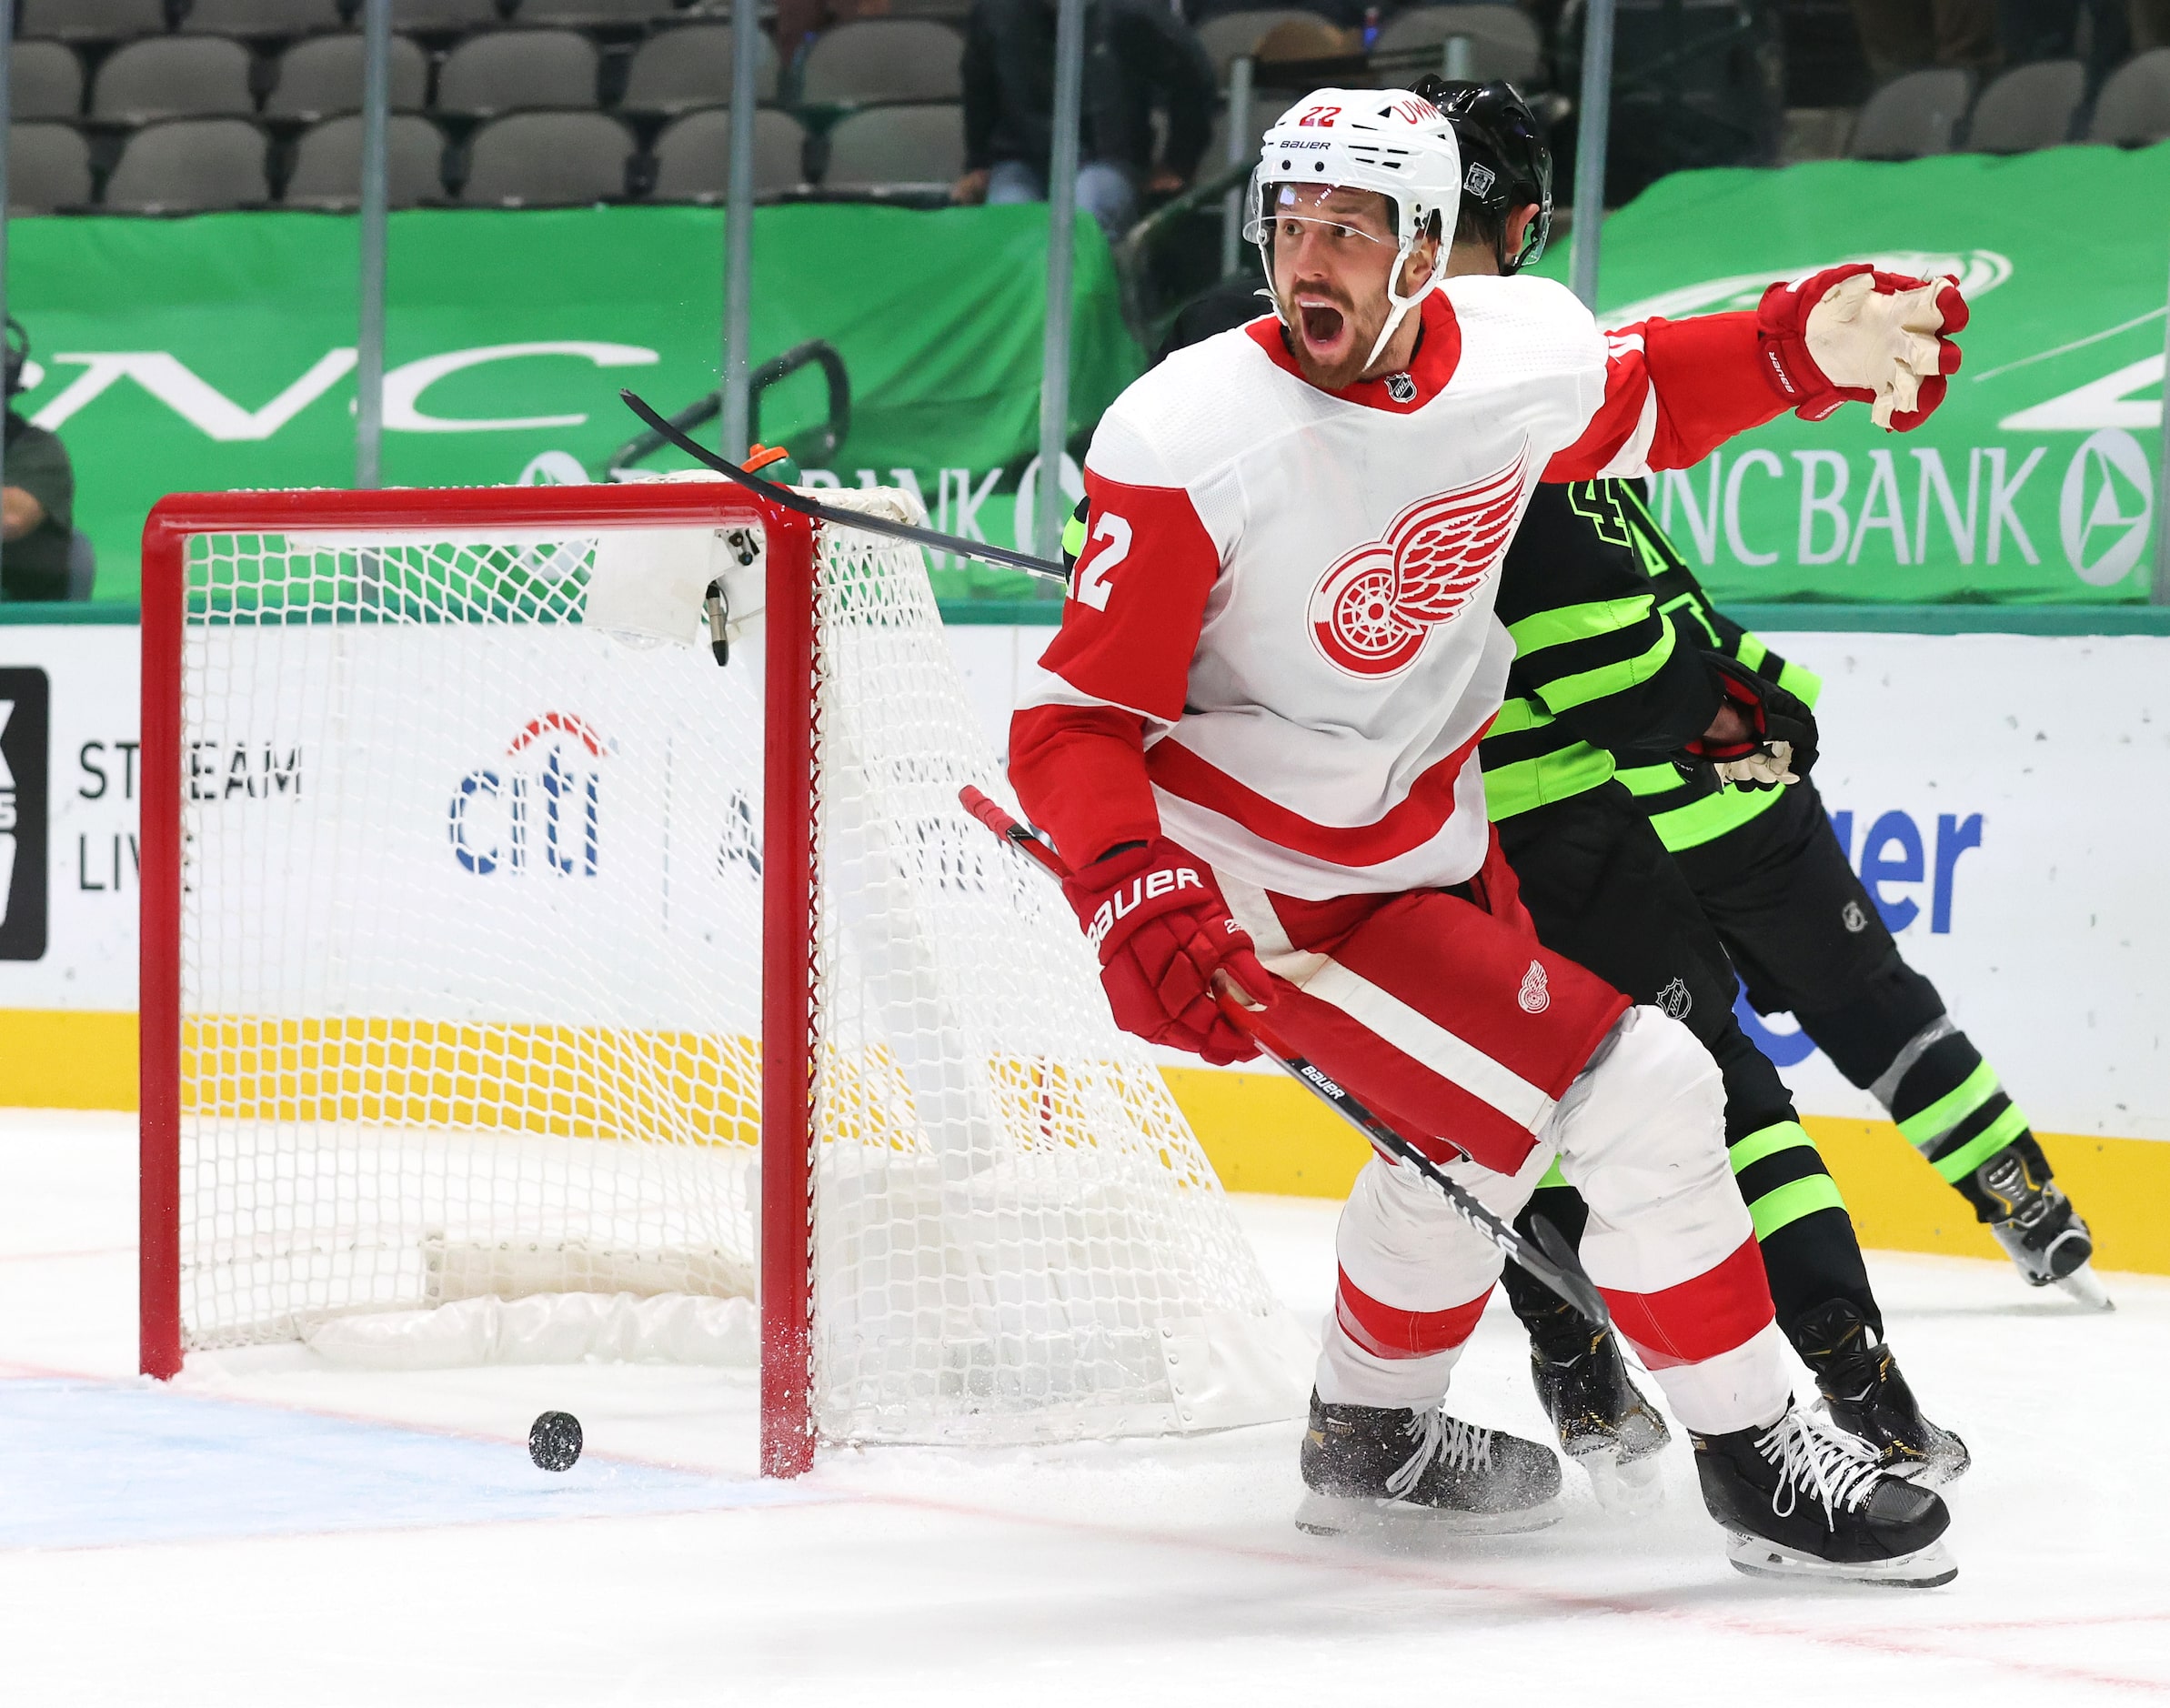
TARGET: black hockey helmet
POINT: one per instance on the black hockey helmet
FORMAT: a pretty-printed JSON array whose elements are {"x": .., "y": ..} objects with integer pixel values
[{"x": 1505, "y": 164}]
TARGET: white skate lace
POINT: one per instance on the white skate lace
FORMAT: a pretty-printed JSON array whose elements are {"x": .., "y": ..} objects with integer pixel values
[
  {"x": 1455, "y": 1444},
  {"x": 1835, "y": 1470}
]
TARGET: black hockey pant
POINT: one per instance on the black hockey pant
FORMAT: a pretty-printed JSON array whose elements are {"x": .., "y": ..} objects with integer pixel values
[
  {"x": 1807, "y": 940},
  {"x": 1603, "y": 891}
]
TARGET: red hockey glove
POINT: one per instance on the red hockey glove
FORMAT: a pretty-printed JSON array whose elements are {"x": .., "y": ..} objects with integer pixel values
[
  {"x": 1156, "y": 920},
  {"x": 1779, "y": 743},
  {"x": 1851, "y": 332}
]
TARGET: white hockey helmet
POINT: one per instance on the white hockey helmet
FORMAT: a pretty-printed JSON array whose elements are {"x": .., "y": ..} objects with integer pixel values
[{"x": 1388, "y": 140}]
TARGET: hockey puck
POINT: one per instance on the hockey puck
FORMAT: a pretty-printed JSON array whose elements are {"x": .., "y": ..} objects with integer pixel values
[{"x": 554, "y": 1440}]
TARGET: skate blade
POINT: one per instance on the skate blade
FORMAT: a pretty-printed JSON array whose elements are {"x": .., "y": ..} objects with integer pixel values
[
  {"x": 1924, "y": 1569},
  {"x": 1945, "y": 1465},
  {"x": 1625, "y": 1487},
  {"x": 2083, "y": 1285},
  {"x": 1339, "y": 1516}
]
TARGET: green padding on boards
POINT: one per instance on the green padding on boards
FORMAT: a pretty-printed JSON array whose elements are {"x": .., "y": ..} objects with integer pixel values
[
  {"x": 215, "y": 352},
  {"x": 1925, "y": 1127},
  {"x": 1983, "y": 1145},
  {"x": 1753, "y": 1148},
  {"x": 2050, "y": 418},
  {"x": 1794, "y": 1200}
]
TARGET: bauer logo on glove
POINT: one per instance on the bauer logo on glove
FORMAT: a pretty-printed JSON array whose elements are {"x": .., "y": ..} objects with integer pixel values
[
  {"x": 1764, "y": 736},
  {"x": 1161, "y": 881},
  {"x": 1163, "y": 934}
]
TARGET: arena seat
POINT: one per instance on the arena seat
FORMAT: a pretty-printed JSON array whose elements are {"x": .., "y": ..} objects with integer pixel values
[
  {"x": 548, "y": 159},
  {"x": 885, "y": 60},
  {"x": 693, "y": 155},
  {"x": 1911, "y": 115},
  {"x": 597, "y": 14},
  {"x": 508, "y": 69},
  {"x": 44, "y": 81},
  {"x": 445, "y": 14},
  {"x": 2029, "y": 107},
  {"x": 48, "y": 166},
  {"x": 677, "y": 70},
  {"x": 174, "y": 76},
  {"x": 187, "y": 166},
  {"x": 92, "y": 20},
  {"x": 263, "y": 17},
  {"x": 323, "y": 75},
  {"x": 1232, "y": 34},
  {"x": 1504, "y": 42},
  {"x": 884, "y": 147},
  {"x": 328, "y": 163},
  {"x": 2134, "y": 107}
]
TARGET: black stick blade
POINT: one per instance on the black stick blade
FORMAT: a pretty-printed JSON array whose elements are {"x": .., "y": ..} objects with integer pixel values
[{"x": 1561, "y": 1270}]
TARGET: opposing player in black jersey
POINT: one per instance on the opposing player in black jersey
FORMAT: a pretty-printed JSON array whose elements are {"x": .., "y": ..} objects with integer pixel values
[
  {"x": 1808, "y": 940},
  {"x": 1771, "y": 876}
]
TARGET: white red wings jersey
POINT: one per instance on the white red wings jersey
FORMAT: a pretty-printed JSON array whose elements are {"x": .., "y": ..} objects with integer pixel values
[{"x": 1282, "y": 615}]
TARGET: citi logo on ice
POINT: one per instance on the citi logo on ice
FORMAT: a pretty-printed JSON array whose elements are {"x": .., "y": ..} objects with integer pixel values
[{"x": 540, "y": 806}]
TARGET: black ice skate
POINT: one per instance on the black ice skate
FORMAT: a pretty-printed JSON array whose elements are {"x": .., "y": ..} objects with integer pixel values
[
  {"x": 1367, "y": 1466},
  {"x": 1870, "y": 1401},
  {"x": 1800, "y": 1501},
  {"x": 1605, "y": 1423},
  {"x": 2040, "y": 1230}
]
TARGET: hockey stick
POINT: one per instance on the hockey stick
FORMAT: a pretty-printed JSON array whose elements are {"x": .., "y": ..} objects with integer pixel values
[
  {"x": 820, "y": 512},
  {"x": 1554, "y": 1261}
]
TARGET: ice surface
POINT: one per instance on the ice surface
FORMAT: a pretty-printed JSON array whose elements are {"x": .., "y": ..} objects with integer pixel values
[{"x": 269, "y": 1531}]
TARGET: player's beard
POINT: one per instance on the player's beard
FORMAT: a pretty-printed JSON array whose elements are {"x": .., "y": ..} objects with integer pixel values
[{"x": 1331, "y": 320}]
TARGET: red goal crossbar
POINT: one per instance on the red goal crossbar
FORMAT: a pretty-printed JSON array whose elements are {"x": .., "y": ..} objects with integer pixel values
[{"x": 790, "y": 867}]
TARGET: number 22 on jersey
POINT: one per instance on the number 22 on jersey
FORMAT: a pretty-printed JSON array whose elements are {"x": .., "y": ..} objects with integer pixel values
[{"x": 1109, "y": 546}]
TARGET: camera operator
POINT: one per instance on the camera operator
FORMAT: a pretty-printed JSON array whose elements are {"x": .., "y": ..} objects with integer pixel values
[{"x": 37, "y": 504}]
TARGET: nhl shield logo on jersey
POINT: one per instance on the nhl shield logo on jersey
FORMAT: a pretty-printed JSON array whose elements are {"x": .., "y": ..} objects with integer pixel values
[
  {"x": 1536, "y": 995},
  {"x": 1676, "y": 1000},
  {"x": 1376, "y": 605},
  {"x": 1400, "y": 387}
]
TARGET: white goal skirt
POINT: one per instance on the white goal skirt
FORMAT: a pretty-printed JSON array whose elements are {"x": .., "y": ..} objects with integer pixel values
[{"x": 470, "y": 975}]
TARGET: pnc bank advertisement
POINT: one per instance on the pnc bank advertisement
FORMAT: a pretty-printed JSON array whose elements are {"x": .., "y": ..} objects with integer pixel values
[{"x": 510, "y": 334}]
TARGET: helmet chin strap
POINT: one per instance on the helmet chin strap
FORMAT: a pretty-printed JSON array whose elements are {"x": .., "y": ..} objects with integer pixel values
[{"x": 1402, "y": 305}]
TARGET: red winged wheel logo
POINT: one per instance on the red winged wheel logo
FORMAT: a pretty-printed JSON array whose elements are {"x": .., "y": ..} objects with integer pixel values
[{"x": 1375, "y": 607}]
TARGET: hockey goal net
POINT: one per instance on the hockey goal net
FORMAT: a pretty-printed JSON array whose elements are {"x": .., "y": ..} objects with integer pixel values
[{"x": 512, "y": 973}]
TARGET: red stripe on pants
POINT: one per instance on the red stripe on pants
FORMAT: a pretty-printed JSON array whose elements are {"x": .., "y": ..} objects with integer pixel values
[
  {"x": 1465, "y": 971},
  {"x": 1724, "y": 1307},
  {"x": 1388, "y": 1332}
]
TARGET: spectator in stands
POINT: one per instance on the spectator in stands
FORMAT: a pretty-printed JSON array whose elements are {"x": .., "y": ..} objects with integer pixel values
[
  {"x": 37, "y": 505},
  {"x": 1903, "y": 36},
  {"x": 1138, "y": 56},
  {"x": 2050, "y": 29}
]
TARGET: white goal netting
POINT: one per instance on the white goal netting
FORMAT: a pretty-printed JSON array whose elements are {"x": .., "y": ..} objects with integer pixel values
[{"x": 470, "y": 984}]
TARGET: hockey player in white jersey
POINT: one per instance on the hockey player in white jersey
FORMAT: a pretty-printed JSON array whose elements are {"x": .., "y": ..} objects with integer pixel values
[{"x": 1253, "y": 740}]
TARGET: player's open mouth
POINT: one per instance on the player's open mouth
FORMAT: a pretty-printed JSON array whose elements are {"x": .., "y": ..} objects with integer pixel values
[{"x": 1322, "y": 324}]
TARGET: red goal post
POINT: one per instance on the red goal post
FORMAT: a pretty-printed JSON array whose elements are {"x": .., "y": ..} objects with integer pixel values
[
  {"x": 412, "y": 1068},
  {"x": 787, "y": 1431}
]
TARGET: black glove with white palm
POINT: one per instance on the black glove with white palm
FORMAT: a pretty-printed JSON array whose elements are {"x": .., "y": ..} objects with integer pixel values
[{"x": 1762, "y": 736}]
